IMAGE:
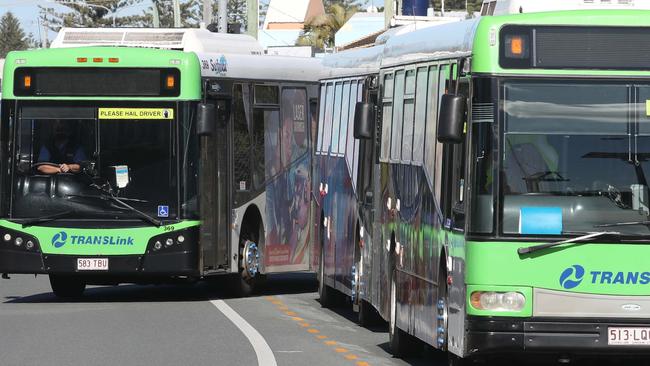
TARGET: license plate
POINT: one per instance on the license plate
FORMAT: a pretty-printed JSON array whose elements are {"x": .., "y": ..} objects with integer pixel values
[
  {"x": 92, "y": 264},
  {"x": 628, "y": 336}
]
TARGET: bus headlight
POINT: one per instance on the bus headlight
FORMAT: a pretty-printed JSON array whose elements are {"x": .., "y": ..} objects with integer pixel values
[
  {"x": 169, "y": 242},
  {"x": 7, "y": 237},
  {"x": 18, "y": 241},
  {"x": 498, "y": 301}
]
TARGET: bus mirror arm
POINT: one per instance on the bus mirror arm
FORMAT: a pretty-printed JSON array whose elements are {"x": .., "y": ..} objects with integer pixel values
[{"x": 205, "y": 125}]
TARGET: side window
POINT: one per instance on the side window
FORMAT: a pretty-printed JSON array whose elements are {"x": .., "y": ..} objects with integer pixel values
[
  {"x": 349, "y": 150},
  {"x": 444, "y": 74},
  {"x": 336, "y": 123},
  {"x": 398, "y": 114},
  {"x": 329, "y": 109},
  {"x": 345, "y": 112},
  {"x": 355, "y": 168},
  {"x": 321, "y": 118},
  {"x": 294, "y": 139},
  {"x": 387, "y": 115},
  {"x": 421, "y": 98},
  {"x": 241, "y": 137},
  {"x": 430, "y": 143},
  {"x": 409, "y": 113}
]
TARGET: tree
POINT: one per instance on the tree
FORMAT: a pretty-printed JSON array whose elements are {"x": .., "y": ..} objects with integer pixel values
[
  {"x": 319, "y": 31},
  {"x": 13, "y": 38},
  {"x": 90, "y": 14},
  {"x": 190, "y": 14}
]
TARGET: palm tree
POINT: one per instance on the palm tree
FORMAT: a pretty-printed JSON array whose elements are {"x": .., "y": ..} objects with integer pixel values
[{"x": 320, "y": 30}]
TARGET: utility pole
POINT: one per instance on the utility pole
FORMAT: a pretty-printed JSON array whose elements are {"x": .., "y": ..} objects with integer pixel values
[
  {"x": 223, "y": 16},
  {"x": 253, "y": 17},
  {"x": 207, "y": 12},
  {"x": 177, "y": 14},
  {"x": 46, "y": 42},
  {"x": 156, "y": 14}
]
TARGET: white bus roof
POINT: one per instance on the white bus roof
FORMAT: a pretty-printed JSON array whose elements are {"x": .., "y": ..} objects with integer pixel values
[
  {"x": 361, "y": 61},
  {"x": 259, "y": 67},
  {"x": 501, "y": 7},
  {"x": 182, "y": 39}
]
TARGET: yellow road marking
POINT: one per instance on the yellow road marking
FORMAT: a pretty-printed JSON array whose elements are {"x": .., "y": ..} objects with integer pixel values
[
  {"x": 283, "y": 308},
  {"x": 321, "y": 336},
  {"x": 313, "y": 331},
  {"x": 291, "y": 313},
  {"x": 351, "y": 357},
  {"x": 330, "y": 343},
  {"x": 298, "y": 319},
  {"x": 340, "y": 350},
  {"x": 269, "y": 298},
  {"x": 305, "y": 325},
  {"x": 362, "y": 363}
]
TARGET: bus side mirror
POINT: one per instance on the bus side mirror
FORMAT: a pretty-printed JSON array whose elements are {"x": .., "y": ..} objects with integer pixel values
[
  {"x": 452, "y": 118},
  {"x": 205, "y": 124},
  {"x": 364, "y": 118}
]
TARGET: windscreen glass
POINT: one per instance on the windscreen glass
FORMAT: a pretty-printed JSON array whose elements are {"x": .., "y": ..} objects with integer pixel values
[
  {"x": 76, "y": 158},
  {"x": 574, "y": 158}
]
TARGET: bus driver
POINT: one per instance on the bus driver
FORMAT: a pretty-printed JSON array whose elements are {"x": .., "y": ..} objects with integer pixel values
[{"x": 64, "y": 154}]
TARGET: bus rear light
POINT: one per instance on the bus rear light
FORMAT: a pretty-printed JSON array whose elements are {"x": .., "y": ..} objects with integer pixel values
[
  {"x": 113, "y": 60},
  {"x": 98, "y": 59},
  {"x": 497, "y": 301},
  {"x": 82, "y": 59}
]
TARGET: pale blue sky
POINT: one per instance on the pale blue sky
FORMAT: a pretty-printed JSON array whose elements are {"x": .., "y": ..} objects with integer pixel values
[{"x": 27, "y": 12}]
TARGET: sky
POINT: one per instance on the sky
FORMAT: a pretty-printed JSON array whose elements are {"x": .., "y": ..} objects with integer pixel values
[{"x": 27, "y": 12}]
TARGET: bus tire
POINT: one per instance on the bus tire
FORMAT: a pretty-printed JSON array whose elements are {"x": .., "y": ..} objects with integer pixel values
[
  {"x": 67, "y": 286},
  {"x": 247, "y": 281},
  {"x": 401, "y": 343},
  {"x": 325, "y": 295}
]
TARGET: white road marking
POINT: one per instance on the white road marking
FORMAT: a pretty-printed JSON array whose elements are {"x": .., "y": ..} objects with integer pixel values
[{"x": 264, "y": 353}]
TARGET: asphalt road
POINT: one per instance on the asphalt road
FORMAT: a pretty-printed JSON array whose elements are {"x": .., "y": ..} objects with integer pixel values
[
  {"x": 192, "y": 325},
  {"x": 182, "y": 325}
]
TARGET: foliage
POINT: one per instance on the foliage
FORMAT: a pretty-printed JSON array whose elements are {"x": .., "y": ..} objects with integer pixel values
[
  {"x": 13, "y": 37},
  {"x": 190, "y": 14},
  {"x": 319, "y": 31},
  {"x": 348, "y": 5},
  {"x": 90, "y": 14}
]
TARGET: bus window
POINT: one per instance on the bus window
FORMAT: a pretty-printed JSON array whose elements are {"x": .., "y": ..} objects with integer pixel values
[
  {"x": 398, "y": 114},
  {"x": 266, "y": 149},
  {"x": 345, "y": 110},
  {"x": 430, "y": 143},
  {"x": 294, "y": 124},
  {"x": 321, "y": 118},
  {"x": 336, "y": 122},
  {"x": 444, "y": 72},
  {"x": 329, "y": 109},
  {"x": 409, "y": 113},
  {"x": 351, "y": 141},
  {"x": 420, "y": 115},
  {"x": 387, "y": 113},
  {"x": 241, "y": 139}
]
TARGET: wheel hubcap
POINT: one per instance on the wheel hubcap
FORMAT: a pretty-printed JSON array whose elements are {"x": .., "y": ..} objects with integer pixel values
[{"x": 251, "y": 259}]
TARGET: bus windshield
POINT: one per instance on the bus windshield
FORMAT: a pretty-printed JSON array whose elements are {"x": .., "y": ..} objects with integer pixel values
[
  {"x": 71, "y": 159},
  {"x": 575, "y": 157}
]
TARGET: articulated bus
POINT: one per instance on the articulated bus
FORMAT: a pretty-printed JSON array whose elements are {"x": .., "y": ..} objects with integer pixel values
[
  {"x": 122, "y": 164},
  {"x": 494, "y": 196}
]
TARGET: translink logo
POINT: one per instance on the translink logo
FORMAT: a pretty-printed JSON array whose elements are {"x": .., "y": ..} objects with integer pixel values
[
  {"x": 61, "y": 238},
  {"x": 572, "y": 277}
]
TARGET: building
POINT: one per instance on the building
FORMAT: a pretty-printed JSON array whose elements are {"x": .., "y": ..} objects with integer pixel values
[
  {"x": 285, "y": 20},
  {"x": 362, "y": 29}
]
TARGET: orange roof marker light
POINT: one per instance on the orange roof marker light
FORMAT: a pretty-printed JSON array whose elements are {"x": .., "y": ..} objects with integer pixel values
[
  {"x": 98, "y": 59},
  {"x": 27, "y": 81},
  {"x": 171, "y": 82},
  {"x": 82, "y": 59},
  {"x": 113, "y": 60},
  {"x": 517, "y": 45}
]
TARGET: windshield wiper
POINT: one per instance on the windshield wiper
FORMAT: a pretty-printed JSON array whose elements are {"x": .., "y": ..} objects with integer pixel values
[
  {"x": 43, "y": 219},
  {"x": 535, "y": 248},
  {"x": 122, "y": 204},
  {"x": 629, "y": 223}
]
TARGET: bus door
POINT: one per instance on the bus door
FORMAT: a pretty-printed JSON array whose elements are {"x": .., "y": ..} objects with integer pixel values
[{"x": 214, "y": 186}]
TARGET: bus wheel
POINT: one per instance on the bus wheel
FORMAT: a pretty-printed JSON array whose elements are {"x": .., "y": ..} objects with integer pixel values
[
  {"x": 401, "y": 343},
  {"x": 249, "y": 267},
  {"x": 67, "y": 286},
  {"x": 324, "y": 292}
]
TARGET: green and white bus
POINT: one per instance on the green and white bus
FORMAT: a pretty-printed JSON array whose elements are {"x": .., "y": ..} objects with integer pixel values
[
  {"x": 124, "y": 164},
  {"x": 499, "y": 200}
]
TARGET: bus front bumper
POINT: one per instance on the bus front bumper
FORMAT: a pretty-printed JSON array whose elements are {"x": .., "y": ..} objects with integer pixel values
[
  {"x": 184, "y": 263},
  {"x": 488, "y": 335}
]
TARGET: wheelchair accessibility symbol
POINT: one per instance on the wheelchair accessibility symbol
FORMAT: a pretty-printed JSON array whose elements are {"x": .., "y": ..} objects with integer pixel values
[{"x": 163, "y": 211}]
